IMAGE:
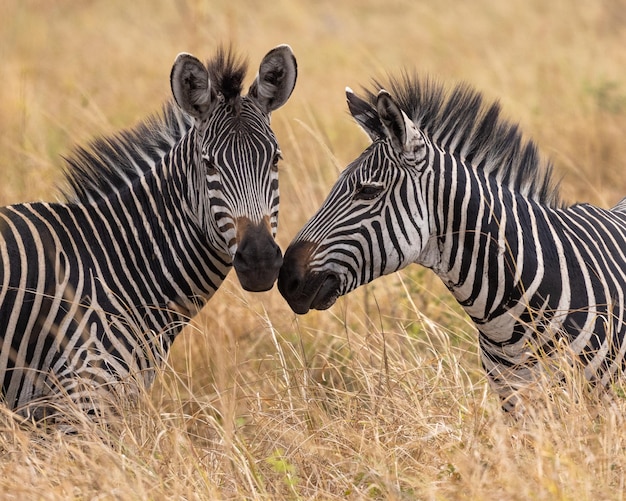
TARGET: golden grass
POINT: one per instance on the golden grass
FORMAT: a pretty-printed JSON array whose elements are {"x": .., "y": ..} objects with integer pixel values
[{"x": 381, "y": 397}]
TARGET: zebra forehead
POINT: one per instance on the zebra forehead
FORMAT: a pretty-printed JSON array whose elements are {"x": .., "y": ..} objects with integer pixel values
[
  {"x": 461, "y": 123},
  {"x": 238, "y": 139},
  {"x": 240, "y": 120}
]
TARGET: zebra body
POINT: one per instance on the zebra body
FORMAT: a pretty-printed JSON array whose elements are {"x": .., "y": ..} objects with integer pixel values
[
  {"x": 95, "y": 289},
  {"x": 450, "y": 185}
]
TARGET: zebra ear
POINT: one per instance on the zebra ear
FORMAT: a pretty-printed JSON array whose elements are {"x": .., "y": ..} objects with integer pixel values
[
  {"x": 398, "y": 126},
  {"x": 365, "y": 115},
  {"x": 276, "y": 79},
  {"x": 191, "y": 86}
]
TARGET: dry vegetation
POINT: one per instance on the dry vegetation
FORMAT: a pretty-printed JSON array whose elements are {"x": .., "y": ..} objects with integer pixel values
[{"x": 381, "y": 397}]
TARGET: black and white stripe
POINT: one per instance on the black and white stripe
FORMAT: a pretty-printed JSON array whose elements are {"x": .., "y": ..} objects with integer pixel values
[
  {"x": 450, "y": 185},
  {"x": 95, "y": 289}
]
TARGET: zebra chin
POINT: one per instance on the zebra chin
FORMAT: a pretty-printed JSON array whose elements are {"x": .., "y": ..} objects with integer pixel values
[{"x": 327, "y": 292}]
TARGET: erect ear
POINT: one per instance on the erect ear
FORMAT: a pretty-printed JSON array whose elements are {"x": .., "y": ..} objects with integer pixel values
[
  {"x": 191, "y": 86},
  {"x": 276, "y": 79},
  {"x": 398, "y": 126},
  {"x": 365, "y": 115}
]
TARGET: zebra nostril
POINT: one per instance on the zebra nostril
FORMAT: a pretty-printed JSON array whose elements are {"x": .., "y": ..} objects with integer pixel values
[
  {"x": 293, "y": 284},
  {"x": 278, "y": 257},
  {"x": 290, "y": 278},
  {"x": 250, "y": 256},
  {"x": 293, "y": 272}
]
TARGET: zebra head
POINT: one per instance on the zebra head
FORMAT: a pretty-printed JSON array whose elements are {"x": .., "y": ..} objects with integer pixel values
[
  {"x": 374, "y": 220},
  {"x": 233, "y": 157}
]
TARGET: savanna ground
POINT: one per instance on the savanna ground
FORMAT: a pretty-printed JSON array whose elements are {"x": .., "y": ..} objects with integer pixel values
[{"x": 382, "y": 396}]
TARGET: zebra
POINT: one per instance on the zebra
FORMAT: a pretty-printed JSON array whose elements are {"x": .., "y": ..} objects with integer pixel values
[
  {"x": 450, "y": 184},
  {"x": 96, "y": 287}
]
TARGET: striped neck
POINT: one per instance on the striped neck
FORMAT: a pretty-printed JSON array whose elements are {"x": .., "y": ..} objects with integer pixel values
[
  {"x": 165, "y": 250},
  {"x": 486, "y": 240}
]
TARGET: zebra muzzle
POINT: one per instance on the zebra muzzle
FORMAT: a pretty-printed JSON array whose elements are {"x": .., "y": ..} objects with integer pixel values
[
  {"x": 304, "y": 290},
  {"x": 258, "y": 258}
]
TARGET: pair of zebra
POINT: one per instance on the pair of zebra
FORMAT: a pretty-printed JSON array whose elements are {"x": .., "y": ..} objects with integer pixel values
[{"x": 95, "y": 289}]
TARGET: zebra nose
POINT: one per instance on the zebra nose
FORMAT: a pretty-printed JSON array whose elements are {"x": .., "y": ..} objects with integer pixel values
[
  {"x": 258, "y": 260},
  {"x": 289, "y": 280},
  {"x": 292, "y": 276}
]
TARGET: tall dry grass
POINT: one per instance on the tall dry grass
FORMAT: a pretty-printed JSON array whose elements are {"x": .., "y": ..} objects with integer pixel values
[{"x": 381, "y": 397}]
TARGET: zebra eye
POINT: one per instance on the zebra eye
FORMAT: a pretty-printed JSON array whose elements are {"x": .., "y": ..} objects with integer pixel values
[
  {"x": 277, "y": 158},
  {"x": 367, "y": 191},
  {"x": 210, "y": 167}
]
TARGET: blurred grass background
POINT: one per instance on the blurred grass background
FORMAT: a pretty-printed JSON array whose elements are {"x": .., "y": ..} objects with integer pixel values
[{"x": 381, "y": 397}]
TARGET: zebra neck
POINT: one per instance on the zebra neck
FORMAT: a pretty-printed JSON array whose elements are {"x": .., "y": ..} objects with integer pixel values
[
  {"x": 495, "y": 248},
  {"x": 169, "y": 256}
]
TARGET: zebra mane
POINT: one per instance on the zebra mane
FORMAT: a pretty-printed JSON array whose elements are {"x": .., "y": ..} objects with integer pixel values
[
  {"x": 109, "y": 164},
  {"x": 226, "y": 72},
  {"x": 460, "y": 122}
]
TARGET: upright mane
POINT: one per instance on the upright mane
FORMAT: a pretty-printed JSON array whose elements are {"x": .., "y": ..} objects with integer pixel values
[
  {"x": 109, "y": 164},
  {"x": 460, "y": 122},
  {"x": 226, "y": 72}
]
